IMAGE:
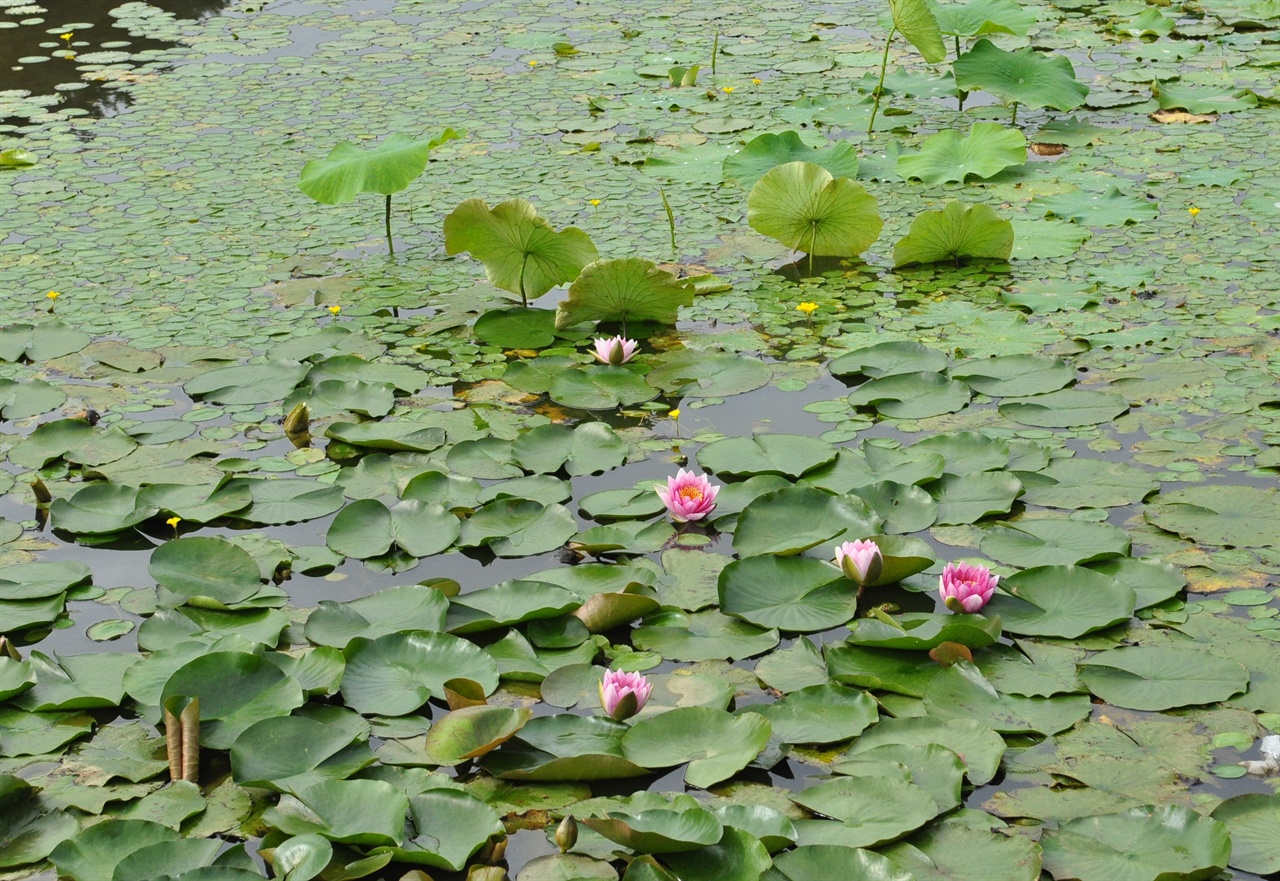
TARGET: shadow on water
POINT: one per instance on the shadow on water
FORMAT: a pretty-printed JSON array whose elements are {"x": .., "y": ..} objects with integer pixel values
[{"x": 34, "y": 56}]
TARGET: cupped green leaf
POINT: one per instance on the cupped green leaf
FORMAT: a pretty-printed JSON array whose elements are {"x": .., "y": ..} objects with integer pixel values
[
  {"x": 628, "y": 289},
  {"x": 914, "y": 19},
  {"x": 386, "y": 169},
  {"x": 955, "y": 233},
  {"x": 521, "y": 251},
  {"x": 472, "y": 732},
  {"x": 806, "y": 208},
  {"x": 978, "y": 17},
  {"x": 1026, "y": 77}
]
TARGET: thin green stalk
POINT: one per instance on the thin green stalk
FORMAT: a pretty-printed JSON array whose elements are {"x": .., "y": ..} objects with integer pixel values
[
  {"x": 961, "y": 94},
  {"x": 813, "y": 241},
  {"x": 715, "y": 50},
  {"x": 1014, "y": 119},
  {"x": 884, "y": 66},
  {"x": 524, "y": 301},
  {"x": 671, "y": 218},
  {"x": 391, "y": 245}
]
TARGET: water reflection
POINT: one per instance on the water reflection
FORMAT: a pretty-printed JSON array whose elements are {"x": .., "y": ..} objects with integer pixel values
[{"x": 34, "y": 56}]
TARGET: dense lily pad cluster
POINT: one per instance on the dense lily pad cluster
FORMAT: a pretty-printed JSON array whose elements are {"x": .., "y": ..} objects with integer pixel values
[{"x": 378, "y": 536}]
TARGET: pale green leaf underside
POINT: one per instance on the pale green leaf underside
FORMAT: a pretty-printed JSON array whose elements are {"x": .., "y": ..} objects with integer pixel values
[
  {"x": 802, "y": 206},
  {"x": 955, "y": 232},
  {"x": 387, "y": 169}
]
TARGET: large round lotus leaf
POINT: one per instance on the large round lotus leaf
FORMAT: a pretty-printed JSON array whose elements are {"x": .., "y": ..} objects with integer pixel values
[
  {"x": 704, "y": 636},
  {"x": 934, "y": 768},
  {"x": 395, "y": 436},
  {"x": 247, "y": 383},
  {"x": 968, "y": 498},
  {"x": 448, "y": 827},
  {"x": 590, "y": 448},
  {"x": 902, "y": 507},
  {"x": 19, "y": 400},
  {"x": 888, "y": 359},
  {"x": 659, "y": 830},
  {"x": 1054, "y": 542},
  {"x": 787, "y": 454},
  {"x": 774, "y": 828},
  {"x": 517, "y": 328},
  {"x": 716, "y": 744},
  {"x": 1143, "y": 844},
  {"x": 521, "y": 251},
  {"x": 385, "y": 169},
  {"x": 962, "y": 692},
  {"x": 412, "y": 607},
  {"x": 168, "y": 859},
  {"x": 397, "y": 673},
  {"x": 368, "y": 528},
  {"x": 834, "y": 861},
  {"x": 472, "y": 732},
  {"x": 205, "y": 569},
  {"x": 737, "y": 856},
  {"x": 93, "y": 854},
  {"x": 1252, "y": 820},
  {"x": 511, "y": 602},
  {"x": 302, "y": 857},
  {"x": 1229, "y": 516},
  {"x": 1153, "y": 581},
  {"x": 629, "y": 289},
  {"x": 876, "y": 809},
  {"x": 98, "y": 509},
  {"x": 287, "y": 500},
  {"x": 694, "y": 374},
  {"x": 236, "y": 689},
  {"x": 957, "y": 232},
  {"x": 978, "y": 746},
  {"x": 367, "y": 812},
  {"x": 1087, "y": 483},
  {"x": 1027, "y": 77},
  {"x": 819, "y": 714},
  {"x": 1061, "y": 601},
  {"x": 911, "y": 395},
  {"x": 1162, "y": 677},
  {"x": 767, "y": 151},
  {"x": 807, "y": 209},
  {"x": 790, "y": 593},
  {"x": 1015, "y": 375},
  {"x": 921, "y": 631},
  {"x": 881, "y": 669},
  {"x": 1067, "y": 408},
  {"x": 599, "y": 387},
  {"x": 984, "y": 17},
  {"x": 518, "y": 528},
  {"x": 965, "y": 847},
  {"x": 788, "y": 521},
  {"x": 914, "y": 19},
  {"x": 960, "y": 230},
  {"x": 291, "y": 752}
]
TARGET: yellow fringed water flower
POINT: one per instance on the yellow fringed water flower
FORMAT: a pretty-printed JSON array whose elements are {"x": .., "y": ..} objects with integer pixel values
[
  {"x": 334, "y": 310},
  {"x": 807, "y": 308},
  {"x": 728, "y": 90}
]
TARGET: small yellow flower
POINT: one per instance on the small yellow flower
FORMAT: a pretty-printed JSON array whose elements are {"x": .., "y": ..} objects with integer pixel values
[
  {"x": 67, "y": 36},
  {"x": 807, "y": 308},
  {"x": 334, "y": 310},
  {"x": 674, "y": 413},
  {"x": 53, "y": 295},
  {"x": 1193, "y": 211},
  {"x": 728, "y": 90},
  {"x": 174, "y": 521},
  {"x": 533, "y": 62},
  {"x": 755, "y": 81},
  {"x": 594, "y": 202}
]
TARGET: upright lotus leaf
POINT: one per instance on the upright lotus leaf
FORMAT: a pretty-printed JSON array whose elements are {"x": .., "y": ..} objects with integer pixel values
[
  {"x": 1152, "y": 843},
  {"x": 767, "y": 151},
  {"x": 16, "y": 157},
  {"x": 521, "y": 251},
  {"x": 385, "y": 170},
  {"x": 806, "y": 208},
  {"x": 914, "y": 19},
  {"x": 978, "y": 17},
  {"x": 949, "y": 157},
  {"x": 630, "y": 289},
  {"x": 1025, "y": 77}
]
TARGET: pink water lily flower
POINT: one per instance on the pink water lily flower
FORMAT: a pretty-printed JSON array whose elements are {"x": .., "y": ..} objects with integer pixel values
[
  {"x": 622, "y": 695},
  {"x": 861, "y": 561},
  {"x": 966, "y": 587},
  {"x": 615, "y": 351},
  {"x": 688, "y": 496}
]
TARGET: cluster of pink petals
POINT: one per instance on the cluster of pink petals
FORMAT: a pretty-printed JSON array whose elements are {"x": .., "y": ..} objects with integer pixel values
[
  {"x": 966, "y": 587},
  {"x": 615, "y": 351},
  {"x": 688, "y": 496},
  {"x": 614, "y": 689},
  {"x": 861, "y": 561}
]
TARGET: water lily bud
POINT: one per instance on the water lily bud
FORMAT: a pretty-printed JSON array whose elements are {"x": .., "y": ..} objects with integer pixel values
[
  {"x": 966, "y": 587},
  {"x": 614, "y": 351},
  {"x": 567, "y": 834},
  {"x": 622, "y": 695},
  {"x": 860, "y": 561}
]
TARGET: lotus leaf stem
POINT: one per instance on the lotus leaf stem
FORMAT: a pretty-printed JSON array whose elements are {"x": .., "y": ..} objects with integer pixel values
[
  {"x": 391, "y": 245},
  {"x": 884, "y": 65},
  {"x": 715, "y": 50}
]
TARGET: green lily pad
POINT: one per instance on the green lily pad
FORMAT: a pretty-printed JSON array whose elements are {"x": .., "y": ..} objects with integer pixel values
[
  {"x": 1142, "y": 844},
  {"x": 1224, "y": 515},
  {"x": 1111, "y": 208},
  {"x": 704, "y": 636},
  {"x": 819, "y": 714},
  {"x": 716, "y": 744},
  {"x": 874, "y": 809},
  {"x": 396, "y": 674},
  {"x": 590, "y": 448},
  {"x": 19, "y": 400},
  {"x": 911, "y": 395},
  {"x": 888, "y": 359},
  {"x": 948, "y": 157},
  {"x": 448, "y": 828},
  {"x": 236, "y": 689},
  {"x": 962, "y": 692},
  {"x": 94, "y": 853},
  {"x": 518, "y": 528},
  {"x": 708, "y": 374},
  {"x": 658, "y": 830},
  {"x": 1162, "y": 677},
  {"x": 767, "y": 151},
  {"x": 472, "y": 732},
  {"x": 1061, "y": 601},
  {"x": 366, "y": 812},
  {"x": 973, "y": 496},
  {"x": 206, "y": 571},
  {"x": 600, "y": 388},
  {"x": 964, "y": 847},
  {"x": 412, "y": 607},
  {"x": 833, "y": 861},
  {"x": 517, "y": 328},
  {"x": 1065, "y": 409},
  {"x": 979, "y": 746},
  {"x": 1252, "y": 819},
  {"x": 788, "y": 454},
  {"x": 790, "y": 593},
  {"x": 1078, "y": 482},
  {"x": 368, "y": 528},
  {"x": 922, "y": 631},
  {"x": 788, "y": 521},
  {"x": 1054, "y": 542}
]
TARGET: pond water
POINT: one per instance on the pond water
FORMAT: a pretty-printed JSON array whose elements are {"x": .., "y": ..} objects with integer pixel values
[{"x": 1094, "y": 416}]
